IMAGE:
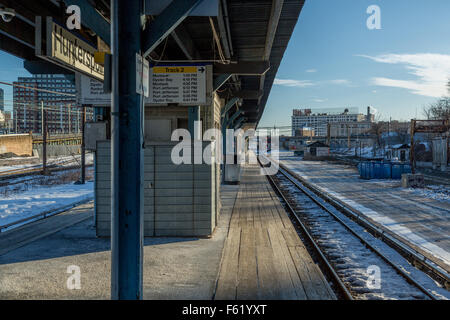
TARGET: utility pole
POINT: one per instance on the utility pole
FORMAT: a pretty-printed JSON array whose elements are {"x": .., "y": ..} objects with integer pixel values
[
  {"x": 44, "y": 143},
  {"x": 389, "y": 134},
  {"x": 42, "y": 118},
  {"x": 348, "y": 137},
  {"x": 69, "y": 106},
  {"x": 360, "y": 150},
  {"x": 411, "y": 155},
  {"x": 83, "y": 147},
  {"x": 25, "y": 117},
  {"x": 126, "y": 152},
  {"x": 328, "y": 133},
  {"x": 61, "y": 118}
]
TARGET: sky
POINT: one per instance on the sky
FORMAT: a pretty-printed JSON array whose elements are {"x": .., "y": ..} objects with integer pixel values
[
  {"x": 334, "y": 61},
  {"x": 11, "y": 68}
]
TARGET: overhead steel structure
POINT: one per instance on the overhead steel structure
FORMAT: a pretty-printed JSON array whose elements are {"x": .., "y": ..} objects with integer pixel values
[
  {"x": 244, "y": 42},
  {"x": 250, "y": 34}
]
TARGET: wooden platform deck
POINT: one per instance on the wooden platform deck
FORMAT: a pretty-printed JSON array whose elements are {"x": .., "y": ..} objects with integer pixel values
[{"x": 263, "y": 256}]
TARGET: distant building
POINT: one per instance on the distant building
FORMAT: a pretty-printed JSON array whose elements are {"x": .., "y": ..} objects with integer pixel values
[
  {"x": 317, "y": 149},
  {"x": 319, "y": 121},
  {"x": 352, "y": 128},
  {"x": 5, "y": 122},
  {"x": 399, "y": 152},
  {"x": 63, "y": 115},
  {"x": 304, "y": 132},
  {"x": 2, "y": 100}
]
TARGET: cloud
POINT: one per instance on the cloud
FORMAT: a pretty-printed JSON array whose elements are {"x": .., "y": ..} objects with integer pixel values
[
  {"x": 320, "y": 100},
  {"x": 308, "y": 83},
  {"x": 432, "y": 72},
  {"x": 293, "y": 83},
  {"x": 340, "y": 81},
  {"x": 311, "y": 70}
]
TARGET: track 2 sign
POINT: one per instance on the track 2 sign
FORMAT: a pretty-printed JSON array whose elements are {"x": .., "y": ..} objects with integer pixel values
[{"x": 179, "y": 84}]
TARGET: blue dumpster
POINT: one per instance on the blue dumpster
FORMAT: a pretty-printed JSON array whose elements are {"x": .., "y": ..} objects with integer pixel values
[
  {"x": 396, "y": 171},
  {"x": 387, "y": 170},
  {"x": 366, "y": 171},
  {"x": 382, "y": 169},
  {"x": 378, "y": 170},
  {"x": 371, "y": 170},
  {"x": 362, "y": 170}
]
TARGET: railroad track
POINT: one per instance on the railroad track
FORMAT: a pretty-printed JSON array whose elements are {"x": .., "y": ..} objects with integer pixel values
[
  {"x": 311, "y": 222},
  {"x": 37, "y": 170},
  {"x": 432, "y": 179},
  {"x": 433, "y": 268}
]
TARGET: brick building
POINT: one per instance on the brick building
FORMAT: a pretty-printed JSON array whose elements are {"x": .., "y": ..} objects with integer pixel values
[{"x": 56, "y": 95}]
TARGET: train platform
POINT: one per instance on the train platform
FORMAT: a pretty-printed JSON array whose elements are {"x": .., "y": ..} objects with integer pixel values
[
  {"x": 254, "y": 253},
  {"x": 417, "y": 217},
  {"x": 264, "y": 257}
]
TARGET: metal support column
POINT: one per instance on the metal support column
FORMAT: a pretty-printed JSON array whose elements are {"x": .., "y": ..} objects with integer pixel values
[
  {"x": 224, "y": 145},
  {"x": 83, "y": 147},
  {"x": 126, "y": 153},
  {"x": 193, "y": 115}
]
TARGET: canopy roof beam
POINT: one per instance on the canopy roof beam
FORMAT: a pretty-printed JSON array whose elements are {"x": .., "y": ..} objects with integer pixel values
[{"x": 165, "y": 23}]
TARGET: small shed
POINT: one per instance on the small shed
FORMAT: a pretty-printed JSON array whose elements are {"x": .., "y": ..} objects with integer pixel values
[
  {"x": 317, "y": 149},
  {"x": 400, "y": 151}
]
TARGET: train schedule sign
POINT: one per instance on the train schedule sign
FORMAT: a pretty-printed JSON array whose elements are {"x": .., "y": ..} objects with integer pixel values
[
  {"x": 179, "y": 84},
  {"x": 90, "y": 91}
]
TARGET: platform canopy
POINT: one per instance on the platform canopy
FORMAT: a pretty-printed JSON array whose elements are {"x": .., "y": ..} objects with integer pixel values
[{"x": 245, "y": 41}]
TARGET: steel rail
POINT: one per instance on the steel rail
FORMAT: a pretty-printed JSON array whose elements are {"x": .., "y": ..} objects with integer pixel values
[
  {"x": 313, "y": 197},
  {"x": 38, "y": 171},
  {"x": 432, "y": 268}
]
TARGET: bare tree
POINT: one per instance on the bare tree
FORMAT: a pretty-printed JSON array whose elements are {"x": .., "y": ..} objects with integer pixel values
[
  {"x": 377, "y": 129},
  {"x": 438, "y": 110},
  {"x": 401, "y": 130},
  {"x": 427, "y": 112}
]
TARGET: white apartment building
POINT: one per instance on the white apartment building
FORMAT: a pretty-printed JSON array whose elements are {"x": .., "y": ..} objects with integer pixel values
[{"x": 319, "y": 121}]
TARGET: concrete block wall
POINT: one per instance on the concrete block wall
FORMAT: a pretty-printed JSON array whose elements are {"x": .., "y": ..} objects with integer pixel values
[
  {"x": 19, "y": 144},
  {"x": 57, "y": 150},
  {"x": 179, "y": 200}
]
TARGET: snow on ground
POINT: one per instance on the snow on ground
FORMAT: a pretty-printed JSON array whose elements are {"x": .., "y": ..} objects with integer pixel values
[
  {"x": 16, "y": 167},
  {"x": 65, "y": 161},
  {"x": 366, "y": 152},
  {"x": 351, "y": 259},
  {"x": 379, "y": 217},
  {"x": 439, "y": 193},
  {"x": 41, "y": 199},
  {"x": 395, "y": 227}
]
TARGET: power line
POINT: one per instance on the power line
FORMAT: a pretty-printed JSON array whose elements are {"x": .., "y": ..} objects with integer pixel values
[{"x": 37, "y": 89}]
